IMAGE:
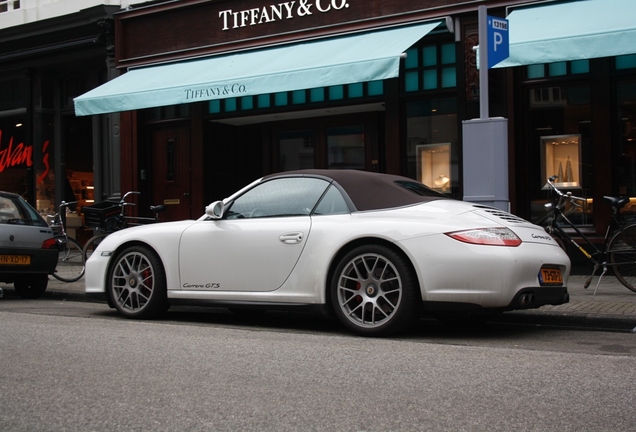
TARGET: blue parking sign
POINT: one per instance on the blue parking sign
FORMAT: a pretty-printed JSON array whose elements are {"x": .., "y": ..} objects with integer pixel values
[{"x": 498, "y": 40}]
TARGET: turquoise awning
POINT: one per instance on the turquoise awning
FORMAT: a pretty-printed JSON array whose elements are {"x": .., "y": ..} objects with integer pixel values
[
  {"x": 348, "y": 59},
  {"x": 574, "y": 30}
]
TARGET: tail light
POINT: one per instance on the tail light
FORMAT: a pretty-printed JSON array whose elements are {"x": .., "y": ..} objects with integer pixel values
[
  {"x": 487, "y": 236},
  {"x": 49, "y": 243}
]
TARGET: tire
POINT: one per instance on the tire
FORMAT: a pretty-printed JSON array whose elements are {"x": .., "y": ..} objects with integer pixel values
[
  {"x": 374, "y": 291},
  {"x": 70, "y": 262},
  {"x": 622, "y": 256},
  {"x": 91, "y": 245},
  {"x": 137, "y": 285},
  {"x": 32, "y": 286}
]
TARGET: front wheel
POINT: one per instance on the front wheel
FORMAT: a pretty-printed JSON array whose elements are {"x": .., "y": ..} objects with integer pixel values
[
  {"x": 137, "y": 283},
  {"x": 622, "y": 256},
  {"x": 70, "y": 262},
  {"x": 374, "y": 291}
]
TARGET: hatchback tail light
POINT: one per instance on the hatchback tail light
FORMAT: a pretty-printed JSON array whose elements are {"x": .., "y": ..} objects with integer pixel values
[
  {"x": 487, "y": 236},
  {"x": 49, "y": 243}
]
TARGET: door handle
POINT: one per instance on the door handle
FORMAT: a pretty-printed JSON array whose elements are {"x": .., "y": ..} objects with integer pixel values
[{"x": 291, "y": 238}]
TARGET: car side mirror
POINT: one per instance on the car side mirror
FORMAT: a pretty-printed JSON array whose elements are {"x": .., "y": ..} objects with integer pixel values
[{"x": 215, "y": 210}]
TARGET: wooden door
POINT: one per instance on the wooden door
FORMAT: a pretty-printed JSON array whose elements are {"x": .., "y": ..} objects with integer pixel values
[{"x": 171, "y": 167}]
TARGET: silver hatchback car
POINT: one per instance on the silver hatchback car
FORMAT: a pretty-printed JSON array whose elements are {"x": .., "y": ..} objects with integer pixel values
[{"x": 28, "y": 250}]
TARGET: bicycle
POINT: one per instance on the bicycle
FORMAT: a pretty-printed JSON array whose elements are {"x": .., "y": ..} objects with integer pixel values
[
  {"x": 70, "y": 262},
  {"x": 108, "y": 217},
  {"x": 619, "y": 244}
]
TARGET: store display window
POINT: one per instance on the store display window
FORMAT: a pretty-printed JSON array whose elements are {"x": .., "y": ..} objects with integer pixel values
[
  {"x": 296, "y": 150},
  {"x": 432, "y": 143},
  {"x": 345, "y": 147},
  {"x": 559, "y": 143},
  {"x": 561, "y": 157},
  {"x": 434, "y": 166}
]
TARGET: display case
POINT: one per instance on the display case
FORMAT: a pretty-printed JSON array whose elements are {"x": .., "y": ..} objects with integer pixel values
[
  {"x": 434, "y": 166},
  {"x": 561, "y": 156}
]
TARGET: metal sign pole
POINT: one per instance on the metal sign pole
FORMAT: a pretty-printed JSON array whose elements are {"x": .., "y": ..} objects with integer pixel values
[
  {"x": 483, "y": 62},
  {"x": 485, "y": 149}
]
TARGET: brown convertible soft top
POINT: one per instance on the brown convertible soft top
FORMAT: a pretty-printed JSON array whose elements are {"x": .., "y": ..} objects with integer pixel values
[{"x": 373, "y": 191}]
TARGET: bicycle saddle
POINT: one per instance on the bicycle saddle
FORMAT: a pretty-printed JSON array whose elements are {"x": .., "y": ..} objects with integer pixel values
[{"x": 618, "y": 202}]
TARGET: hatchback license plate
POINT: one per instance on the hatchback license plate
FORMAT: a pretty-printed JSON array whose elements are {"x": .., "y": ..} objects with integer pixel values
[
  {"x": 551, "y": 276},
  {"x": 15, "y": 260}
]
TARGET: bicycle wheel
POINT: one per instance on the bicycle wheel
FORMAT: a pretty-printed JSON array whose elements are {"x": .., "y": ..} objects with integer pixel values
[
  {"x": 92, "y": 244},
  {"x": 560, "y": 241},
  {"x": 70, "y": 262},
  {"x": 622, "y": 256}
]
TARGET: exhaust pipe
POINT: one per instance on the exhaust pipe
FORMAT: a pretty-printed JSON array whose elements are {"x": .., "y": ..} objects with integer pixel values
[{"x": 526, "y": 299}]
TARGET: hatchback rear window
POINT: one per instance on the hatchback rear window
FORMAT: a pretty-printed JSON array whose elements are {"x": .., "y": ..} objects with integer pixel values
[{"x": 15, "y": 211}]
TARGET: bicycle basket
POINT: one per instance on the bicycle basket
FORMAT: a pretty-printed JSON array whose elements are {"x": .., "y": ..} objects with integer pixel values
[{"x": 102, "y": 216}]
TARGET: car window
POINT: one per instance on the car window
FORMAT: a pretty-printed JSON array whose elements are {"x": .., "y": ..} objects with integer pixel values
[
  {"x": 8, "y": 210},
  {"x": 419, "y": 189},
  {"x": 15, "y": 211},
  {"x": 282, "y": 197},
  {"x": 332, "y": 203}
]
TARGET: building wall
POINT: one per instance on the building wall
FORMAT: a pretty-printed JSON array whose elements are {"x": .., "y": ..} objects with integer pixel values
[
  {"x": 44, "y": 64},
  {"x": 238, "y": 140},
  {"x": 418, "y": 120},
  {"x": 27, "y": 11}
]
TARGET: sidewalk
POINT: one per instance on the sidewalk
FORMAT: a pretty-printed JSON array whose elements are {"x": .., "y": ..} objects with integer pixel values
[{"x": 613, "y": 306}]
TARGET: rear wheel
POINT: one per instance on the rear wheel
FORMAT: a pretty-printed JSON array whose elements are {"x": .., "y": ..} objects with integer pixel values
[
  {"x": 622, "y": 255},
  {"x": 70, "y": 262},
  {"x": 32, "y": 286},
  {"x": 137, "y": 283},
  {"x": 374, "y": 291}
]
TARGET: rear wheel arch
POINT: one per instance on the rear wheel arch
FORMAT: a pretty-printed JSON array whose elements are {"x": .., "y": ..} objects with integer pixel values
[
  {"x": 360, "y": 242},
  {"x": 344, "y": 250}
]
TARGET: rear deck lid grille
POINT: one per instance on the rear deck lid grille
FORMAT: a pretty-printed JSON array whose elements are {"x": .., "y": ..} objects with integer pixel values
[{"x": 505, "y": 216}]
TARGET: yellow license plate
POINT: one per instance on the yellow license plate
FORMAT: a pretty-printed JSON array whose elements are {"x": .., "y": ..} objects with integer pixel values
[
  {"x": 15, "y": 260},
  {"x": 551, "y": 276}
]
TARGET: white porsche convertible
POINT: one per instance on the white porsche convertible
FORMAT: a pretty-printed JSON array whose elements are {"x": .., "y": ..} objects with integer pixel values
[{"x": 376, "y": 250}]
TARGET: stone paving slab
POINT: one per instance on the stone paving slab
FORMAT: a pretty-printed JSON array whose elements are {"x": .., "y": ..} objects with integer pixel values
[{"x": 611, "y": 297}]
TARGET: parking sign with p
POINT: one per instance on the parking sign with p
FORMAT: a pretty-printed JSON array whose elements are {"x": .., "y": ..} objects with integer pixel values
[{"x": 498, "y": 40}]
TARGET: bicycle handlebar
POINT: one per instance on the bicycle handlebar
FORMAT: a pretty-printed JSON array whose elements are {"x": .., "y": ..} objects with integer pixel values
[
  {"x": 123, "y": 204},
  {"x": 61, "y": 206},
  {"x": 122, "y": 201},
  {"x": 567, "y": 195}
]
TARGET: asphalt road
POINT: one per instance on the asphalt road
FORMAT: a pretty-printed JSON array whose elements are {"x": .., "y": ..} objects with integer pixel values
[{"x": 77, "y": 366}]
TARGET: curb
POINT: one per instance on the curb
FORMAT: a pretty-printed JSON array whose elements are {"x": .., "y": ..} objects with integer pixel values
[
  {"x": 68, "y": 296},
  {"x": 582, "y": 320},
  {"x": 538, "y": 317}
]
